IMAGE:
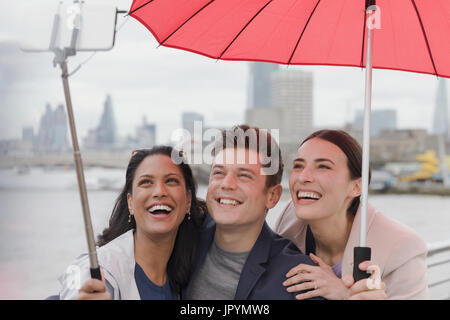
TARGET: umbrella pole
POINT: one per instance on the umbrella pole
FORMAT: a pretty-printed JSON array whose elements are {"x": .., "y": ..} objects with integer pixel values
[
  {"x": 363, "y": 253},
  {"x": 95, "y": 270}
]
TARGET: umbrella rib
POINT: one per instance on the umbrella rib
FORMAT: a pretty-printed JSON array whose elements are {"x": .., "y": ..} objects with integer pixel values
[
  {"x": 363, "y": 39},
  {"x": 260, "y": 10},
  {"x": 181, "y": 25},
  {"x": 303, "y": 31},
  {"x": 139, "y": 7},
  {"x": 425, "y": 36}
]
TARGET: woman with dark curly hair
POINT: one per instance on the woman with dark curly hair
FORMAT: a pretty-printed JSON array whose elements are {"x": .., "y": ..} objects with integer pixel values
[{"x": 147, "y": 252}]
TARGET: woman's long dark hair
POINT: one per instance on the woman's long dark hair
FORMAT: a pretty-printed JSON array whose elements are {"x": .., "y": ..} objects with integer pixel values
[
  {"x": 181, "y": 260},
  {"x": 352, "y": 150}
]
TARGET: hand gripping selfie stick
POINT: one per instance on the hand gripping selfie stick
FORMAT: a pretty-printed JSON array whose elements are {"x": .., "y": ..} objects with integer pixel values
[{"x": 83, "y": 42}]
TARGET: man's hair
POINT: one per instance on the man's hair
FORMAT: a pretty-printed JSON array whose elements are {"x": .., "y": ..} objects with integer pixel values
[{"x": 259, "y": 140}]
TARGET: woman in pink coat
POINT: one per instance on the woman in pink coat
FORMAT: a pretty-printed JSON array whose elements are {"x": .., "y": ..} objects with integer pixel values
[{"x": 323, "y": 220}]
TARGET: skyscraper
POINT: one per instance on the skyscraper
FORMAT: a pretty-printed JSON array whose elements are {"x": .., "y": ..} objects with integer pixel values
[
  {"x": 106, "y": 130},
  {"x": 259, "y": 87},
  {"x": 379, "y": 120},
  {"x": 146, "y": 134},
  {"x": 188, "y": 120},
  {"x": 441, "y": 113},
  {"x": 52, "y": 133},
  {"x": 105, "y": 135},
  {"x": 292, "y": 93},
  {"x": 60, "y": 139},
  {"x": 45, "y": 135},
  {"x": 441, "y": 127},
  {"x": 290, "y": 110},
  {"x": 28, "y": 134}
]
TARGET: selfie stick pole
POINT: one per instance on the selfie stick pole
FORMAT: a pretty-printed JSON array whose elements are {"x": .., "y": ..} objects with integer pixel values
[{"x": 61, "y": 59}]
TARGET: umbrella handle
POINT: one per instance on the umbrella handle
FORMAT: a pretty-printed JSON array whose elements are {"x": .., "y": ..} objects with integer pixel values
[
  {"x": 96, "y": 274},
  {"x": 360, "y": 254}
]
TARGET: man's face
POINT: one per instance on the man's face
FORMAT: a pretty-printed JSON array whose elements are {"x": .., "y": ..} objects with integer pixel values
[{"x": 237, "y": 194}]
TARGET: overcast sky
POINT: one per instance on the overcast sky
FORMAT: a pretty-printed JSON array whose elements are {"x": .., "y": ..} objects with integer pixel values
[{"x": 161, "y": 83}]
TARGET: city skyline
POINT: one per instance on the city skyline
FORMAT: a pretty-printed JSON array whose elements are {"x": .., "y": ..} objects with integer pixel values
[
  {"x": 379, "y": 121},
  {"x": 163, "y": 83}
]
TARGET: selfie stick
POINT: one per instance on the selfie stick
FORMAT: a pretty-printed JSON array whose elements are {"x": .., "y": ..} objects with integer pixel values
[{"x": 61, "y": 59}]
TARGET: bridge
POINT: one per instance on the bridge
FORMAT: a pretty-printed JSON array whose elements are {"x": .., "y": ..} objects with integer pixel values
[{"x": 106, "y": 159}]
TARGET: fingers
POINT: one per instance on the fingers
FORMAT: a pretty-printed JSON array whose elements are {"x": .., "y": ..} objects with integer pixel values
[
  {"x": 300, "y": 277},
  {"x": 361, "y": 286},
  {"x": 93, "y": 285},
  {"x": 367, "y": 289},
  {"x": 361, "y": 291},
  {"x": 321, "y": 263},
  {"x": 300, "y": 268},
  {"x": 308, "y": 295},
  {"x": 365, "y": 264},
  {"x": 94, "y": 296},
  {"x": 370, "y": 295},
  {"x": 358, "y": 287},
  {"x": 316, "y": 259},
  {"x": 94, "y": 289},
  {"x": 309, "y": 285},
  {"x": 348, "y": 280},
  {"x": 301, "y": 286}
]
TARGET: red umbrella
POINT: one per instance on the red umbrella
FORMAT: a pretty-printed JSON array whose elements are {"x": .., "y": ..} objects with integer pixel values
[
  {"x": 407, "y": 35},
  {"x": 413, "y": 34}
]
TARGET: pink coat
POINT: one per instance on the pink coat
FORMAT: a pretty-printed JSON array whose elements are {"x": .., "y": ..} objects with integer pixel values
[{"x": 396, "y": 249}]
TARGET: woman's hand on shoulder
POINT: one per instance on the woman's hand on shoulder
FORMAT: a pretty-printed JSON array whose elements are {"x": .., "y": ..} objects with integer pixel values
[
  {"x": 322, "y": 282},
  {"x": 319, "y": 280},
  {"x": 94, "y": 289}
]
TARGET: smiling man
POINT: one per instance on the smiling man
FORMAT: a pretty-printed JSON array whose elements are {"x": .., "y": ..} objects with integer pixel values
[{"x": 239, "y": 256}]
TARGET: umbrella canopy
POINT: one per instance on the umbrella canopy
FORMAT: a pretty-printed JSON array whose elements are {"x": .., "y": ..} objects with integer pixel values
[{"x": 412, "y": 35}]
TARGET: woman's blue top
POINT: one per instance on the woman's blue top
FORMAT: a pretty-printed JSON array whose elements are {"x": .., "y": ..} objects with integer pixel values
[{"x": 150, "y": 291}]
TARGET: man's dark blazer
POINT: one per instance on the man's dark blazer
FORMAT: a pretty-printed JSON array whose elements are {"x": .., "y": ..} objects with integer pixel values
[{"x": 265, "y": 270}]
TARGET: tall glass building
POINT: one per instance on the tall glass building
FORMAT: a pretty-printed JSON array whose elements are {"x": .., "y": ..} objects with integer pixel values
[
  {"x": 259, "y": 87},
  {"x": 441, "y": 120}
]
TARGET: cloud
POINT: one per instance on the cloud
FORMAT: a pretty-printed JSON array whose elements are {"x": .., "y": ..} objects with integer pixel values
[{"x": 162, "y": 83}]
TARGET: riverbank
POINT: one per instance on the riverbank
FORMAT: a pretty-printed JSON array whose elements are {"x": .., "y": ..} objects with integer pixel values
[{"x": 430, "y": 189}]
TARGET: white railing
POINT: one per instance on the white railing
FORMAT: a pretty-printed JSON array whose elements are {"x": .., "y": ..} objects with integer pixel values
[{"x": 434, "y": 260}]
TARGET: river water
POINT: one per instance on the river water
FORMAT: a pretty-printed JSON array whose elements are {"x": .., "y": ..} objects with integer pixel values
[{"x": 41, "y": 224}]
